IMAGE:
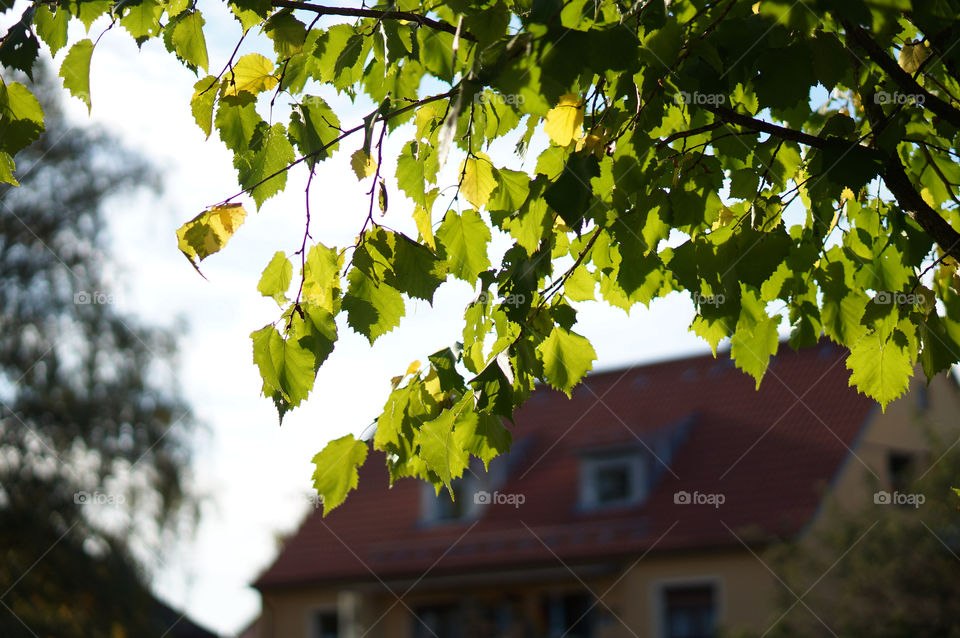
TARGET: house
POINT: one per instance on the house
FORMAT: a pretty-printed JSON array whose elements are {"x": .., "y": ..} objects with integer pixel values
[{"x": 639, "y": 507}]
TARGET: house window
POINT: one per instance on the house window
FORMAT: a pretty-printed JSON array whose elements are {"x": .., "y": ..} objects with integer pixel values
[
  {"x": 612, "y": 480},
  {"x": 325, "y": 625},
  {"x": 689, "y": 612},
  {"x": 569, "y": 615},
  {"x": 442, "y": 508},
  {"x": 900, "y": 468},
  {"x": 437, "y": 621}
]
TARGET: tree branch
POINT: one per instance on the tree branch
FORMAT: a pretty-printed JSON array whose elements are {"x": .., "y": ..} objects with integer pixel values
[
  {"x": 893, "y": 175},
  {"x": 373, "y": 13},
  {"x": 903, "y": 79},
  {"x": 906, "y": 194},
  {"x": 732, "y": 117}
]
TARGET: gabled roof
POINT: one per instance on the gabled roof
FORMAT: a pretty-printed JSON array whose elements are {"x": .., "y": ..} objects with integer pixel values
[{"x": 770, "y": 453}]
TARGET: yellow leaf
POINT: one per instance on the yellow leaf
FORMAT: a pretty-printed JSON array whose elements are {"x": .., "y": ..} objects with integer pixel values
[
  {"x": 209, "y": 231},
  {"x": 912, "y": 56},
  {"x": 433, "y": 386},
  {"x": 594, "y": 144},
  {"x": 564, "y": 122},
  {"x": 927, "y": 196},
  {"x": 726, "y": 216},
  {"x": 424, "y": 225},
  {"x": 478, "y": 180},
  {"x": 252, "y": 74},
  {"x": 847, "y": 194},
  {"x": 413, "y": 368},
  {"x": 427, "y": 120},
  {"x": 363, "y": 165}
]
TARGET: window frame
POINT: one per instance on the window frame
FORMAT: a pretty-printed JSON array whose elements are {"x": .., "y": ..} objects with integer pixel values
[
  {"x": 658, "y": 599},
  {"x": 592, "y": 464}
]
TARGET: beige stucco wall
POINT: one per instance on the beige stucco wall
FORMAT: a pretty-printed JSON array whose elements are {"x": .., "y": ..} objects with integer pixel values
[
  {"x": 630, "y": 598},
  {"x": 905, "y": 426}
]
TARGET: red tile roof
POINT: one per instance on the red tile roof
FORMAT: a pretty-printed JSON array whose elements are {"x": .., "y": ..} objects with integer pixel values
[{"x": 770, "y": 453}]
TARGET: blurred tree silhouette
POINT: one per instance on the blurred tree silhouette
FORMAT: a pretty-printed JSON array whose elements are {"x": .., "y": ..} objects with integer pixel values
[
  {"x": 885, "y": 571},
  {"x": 92, "y": 429}
]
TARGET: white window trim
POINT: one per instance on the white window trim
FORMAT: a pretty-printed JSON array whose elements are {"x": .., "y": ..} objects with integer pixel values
[
  {"x": 658, "y": 610},
  {"x": 589, "y": 466}
]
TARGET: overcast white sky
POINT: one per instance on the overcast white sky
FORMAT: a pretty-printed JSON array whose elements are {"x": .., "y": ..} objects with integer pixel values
[{"x": 256, "y": 474}]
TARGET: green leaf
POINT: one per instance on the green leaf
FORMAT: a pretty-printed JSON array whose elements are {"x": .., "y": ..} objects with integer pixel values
[
  {"x": 465, "y": 238},
  {"x": 315, "y": 330},
  {"x": 288, "y": 33},
  {"x": 7, "y": 166},
  {"x": 19, "y": 48},
  {"x": 401, "y": 263},
  {"x": 336, "y": 472},
  {"x": 314, "y": 126},
  {"x": 570, "y": 195},
  {"x": 263, "y": 169},
  {"x": 567, "y": 357},
  {"x": 880, "y": 368},
  {"x": 321, "y": 278},
  {"x": 250, "y": 13},
  {"x": 372, "y": 309},
  {"x": 941, "y": 344},
  {"x": 512, "y": 190},
  {"x": 89, "y": 10},
  {"x": 188, "y": 41},
  {"x": 485, "y": 437},
  {"x": 201, "y": 104},
  {"x": 530, "y": 225},
  {"x": 580, "y": 285},
  {"x": 478, "y": 180},
  {"x": 75, "y": 71},
  {"x": 236, "y": 124},
  {"x": 440, "y": 448},
  {"x": 287, "y": 369},
  {"x": 52, "y": 27},
  {"x": 142, "y": 20},
  {"x": 755, "y": 339},
  {"x": 21, "y": 118},
  {"x": 276, "y": 277}
]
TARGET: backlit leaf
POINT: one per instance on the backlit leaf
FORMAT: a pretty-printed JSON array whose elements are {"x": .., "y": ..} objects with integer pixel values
[
  {"x": 563, "y": 122},
  {"x": 567, "y": 357},
  {"x": 209, "y": 231},
  {"x": 75, "y": 71},
  {"x": 336, "y": 472}
]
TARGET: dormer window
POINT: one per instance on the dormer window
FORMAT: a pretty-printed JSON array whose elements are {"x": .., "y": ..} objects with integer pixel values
[{"x": 612, "y": 479}]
